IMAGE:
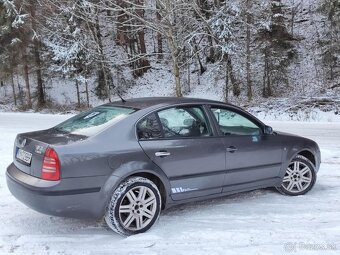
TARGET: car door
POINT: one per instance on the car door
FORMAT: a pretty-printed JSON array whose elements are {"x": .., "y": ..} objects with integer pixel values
[
  {"x": 252, "y": 157},
  {"x": 180, "y": 141}
]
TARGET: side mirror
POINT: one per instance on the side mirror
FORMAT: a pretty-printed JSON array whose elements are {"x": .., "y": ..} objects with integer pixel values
[{"x": 268, "y": 130}]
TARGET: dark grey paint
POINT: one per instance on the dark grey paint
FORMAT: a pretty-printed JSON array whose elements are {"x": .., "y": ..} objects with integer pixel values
[
  {"x": 194, "y": 163},
  {"x": 92, "y": 167}
]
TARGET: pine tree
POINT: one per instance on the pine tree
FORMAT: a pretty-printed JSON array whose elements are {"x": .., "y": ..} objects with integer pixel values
[
  {"x": 68, "y": 42},
  {"x": 277, "y": 49},
  {"x": 330, "y": 40},
  {"x": 11, "y": 21}
]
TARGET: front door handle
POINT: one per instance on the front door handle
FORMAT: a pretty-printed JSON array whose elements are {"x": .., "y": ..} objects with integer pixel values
[
  {"x": 162, "y": 154},
  {"x": 231, "y": 149}
]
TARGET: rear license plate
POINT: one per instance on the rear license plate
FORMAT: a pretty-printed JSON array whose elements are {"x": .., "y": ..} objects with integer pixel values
[{"x": 24, "y": 156}]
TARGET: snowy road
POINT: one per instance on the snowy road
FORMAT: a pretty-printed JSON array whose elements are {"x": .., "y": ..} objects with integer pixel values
[{"x": 257, "y": 222}]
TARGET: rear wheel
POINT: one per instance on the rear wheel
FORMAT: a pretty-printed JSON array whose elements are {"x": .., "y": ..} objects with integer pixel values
[
  {"x": 299, "y": 178},
  {"x": 134, "y": 207}
]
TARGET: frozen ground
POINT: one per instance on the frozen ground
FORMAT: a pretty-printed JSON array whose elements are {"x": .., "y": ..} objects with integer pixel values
[{"x": 257, "y": 222}]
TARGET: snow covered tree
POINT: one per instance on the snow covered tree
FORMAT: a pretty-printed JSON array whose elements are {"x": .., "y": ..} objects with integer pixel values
[
  {"x": 277, "y": 48},
  {"x": 131, "y": 35},
  {"x": 68, "y": 42},
  {"x": 171, "y": 20},
  {"x": 223, "y": 28},
  {"x": 330, "y": 40},
  {"x": 12, "y": 24},
  {"x": 36, "y": 19},
  {"x": 247, "y": 48},
  {"x": 248, "y": 23}
]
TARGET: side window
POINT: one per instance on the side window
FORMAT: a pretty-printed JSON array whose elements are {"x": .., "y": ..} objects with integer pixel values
[
  {"x": 184, "y": 122},
  {"x": 148, "y": 128},
  {"x": 232, "y": 123}
]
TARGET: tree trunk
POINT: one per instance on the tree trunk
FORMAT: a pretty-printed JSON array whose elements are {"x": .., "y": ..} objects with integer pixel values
[
  {"x": 5, "y": 88},
  {"x": 248, "y": 71},
  {"x": 269, "y": 77},
  {"x": 294, "y": 11},
  {"x": 332, "y": 64},
  {"x": 189, "y": 77},
  {"x": 145, "y": 64},
  {"x": 174, "y": 56},
  {"x": 159, "y": 46},
  {"x": 264, "y": 89},
  {"x": 175, "y": 65},
  {"x": 177, "y": 79},
  {"x": 292, "y": 18},
  {"x": 226, "y": 85},
  {"x": 103, "y": 85},
  {"x": 202, "y": 68},
  {"x": 87, "y": 94},
  {"x": 40, "y": 87},
  {"x": 27, "y": 81},
  {"x": 235, "y": 85},
  {"x": 19, "y": 87},
  {"x": 107, "y": 85},
  {"x": 211, "y": 57},
  {"x": 159, "y": 39},
  {"x": 267, "y": 90},
  {"x": 37, "y": 59},
  {"x": 20, "y": 93},
  {"x": 269, "y": 86},
  {"x": 78, "y": 95},
  {"x": 13, "y": 88}
]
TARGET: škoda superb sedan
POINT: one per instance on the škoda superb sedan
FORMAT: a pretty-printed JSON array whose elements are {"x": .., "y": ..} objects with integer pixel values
[{"x": 128, "y": 160}]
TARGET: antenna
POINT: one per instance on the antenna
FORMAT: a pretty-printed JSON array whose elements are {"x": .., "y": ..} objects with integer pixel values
[{"x": 121, "y": 98}]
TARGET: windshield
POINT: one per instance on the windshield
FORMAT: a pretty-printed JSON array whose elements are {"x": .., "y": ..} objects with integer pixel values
[{"x": 95, "y": 120}]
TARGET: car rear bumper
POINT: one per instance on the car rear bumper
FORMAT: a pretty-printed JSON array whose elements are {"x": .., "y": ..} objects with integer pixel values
[{"x": 59, "y": 198}]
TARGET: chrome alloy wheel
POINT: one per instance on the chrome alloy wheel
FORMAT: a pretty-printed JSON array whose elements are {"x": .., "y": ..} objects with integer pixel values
[
  {"x": 137, "y": 208},
  {"x": 298, "y": 177}
]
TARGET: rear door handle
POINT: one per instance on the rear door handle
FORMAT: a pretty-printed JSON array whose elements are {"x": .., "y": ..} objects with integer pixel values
[
  {"x": 231, "y": 149},
  {"x": 162, "y": 154}
]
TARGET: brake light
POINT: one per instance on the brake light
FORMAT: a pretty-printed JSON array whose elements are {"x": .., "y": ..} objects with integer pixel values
[{"x": 51, "y": 166}]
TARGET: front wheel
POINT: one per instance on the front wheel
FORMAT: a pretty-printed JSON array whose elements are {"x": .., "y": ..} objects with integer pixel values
[
  {"x": 134, "y": 207},
  {"x": 299, "y": 178}
]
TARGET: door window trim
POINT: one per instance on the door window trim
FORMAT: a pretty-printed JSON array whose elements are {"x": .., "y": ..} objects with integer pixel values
[
  {"x": 158, "y": 123},
  {"x": 258, "y": 123},
  {"x": 210, "y": 124}
]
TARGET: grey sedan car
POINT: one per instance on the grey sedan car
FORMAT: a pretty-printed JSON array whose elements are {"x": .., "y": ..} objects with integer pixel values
[{"x": 128, "y": 160}]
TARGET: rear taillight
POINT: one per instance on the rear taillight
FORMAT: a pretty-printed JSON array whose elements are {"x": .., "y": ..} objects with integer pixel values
[{"x": 51, "y": 166}]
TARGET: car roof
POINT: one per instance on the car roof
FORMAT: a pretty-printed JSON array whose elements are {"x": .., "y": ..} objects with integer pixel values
[{"x": 145, "y": 102}]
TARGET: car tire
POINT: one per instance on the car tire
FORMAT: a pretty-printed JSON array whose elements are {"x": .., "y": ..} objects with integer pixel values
[
  {"x": 299, "y": 178},
  {"x": 134, "y": 206}
]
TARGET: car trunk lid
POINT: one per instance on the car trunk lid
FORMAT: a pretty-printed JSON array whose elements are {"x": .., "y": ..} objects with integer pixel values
[{"x": 29, "y": 148}]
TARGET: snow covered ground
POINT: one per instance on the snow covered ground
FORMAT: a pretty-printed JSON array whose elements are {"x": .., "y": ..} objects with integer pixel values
[{"x": 257, "y": 222}]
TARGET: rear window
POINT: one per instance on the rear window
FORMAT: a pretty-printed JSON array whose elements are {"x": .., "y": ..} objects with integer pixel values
[{"x": 93, "y": 121}]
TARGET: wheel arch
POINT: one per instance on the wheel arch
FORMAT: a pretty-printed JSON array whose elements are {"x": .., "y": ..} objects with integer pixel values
[
  {"x": 307, "y": 154},
  {"x": 292, "y": 153}
]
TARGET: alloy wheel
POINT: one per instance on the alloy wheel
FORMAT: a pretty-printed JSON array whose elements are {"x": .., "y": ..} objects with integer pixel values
[
  {"x": 137, "y": 208},
  {"x": 298, "y": 177}
]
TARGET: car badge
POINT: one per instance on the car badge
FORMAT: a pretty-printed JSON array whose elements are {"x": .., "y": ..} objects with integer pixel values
[
  {"x": 22, "y": 143},
  {"x": 39, "y": 149}
]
